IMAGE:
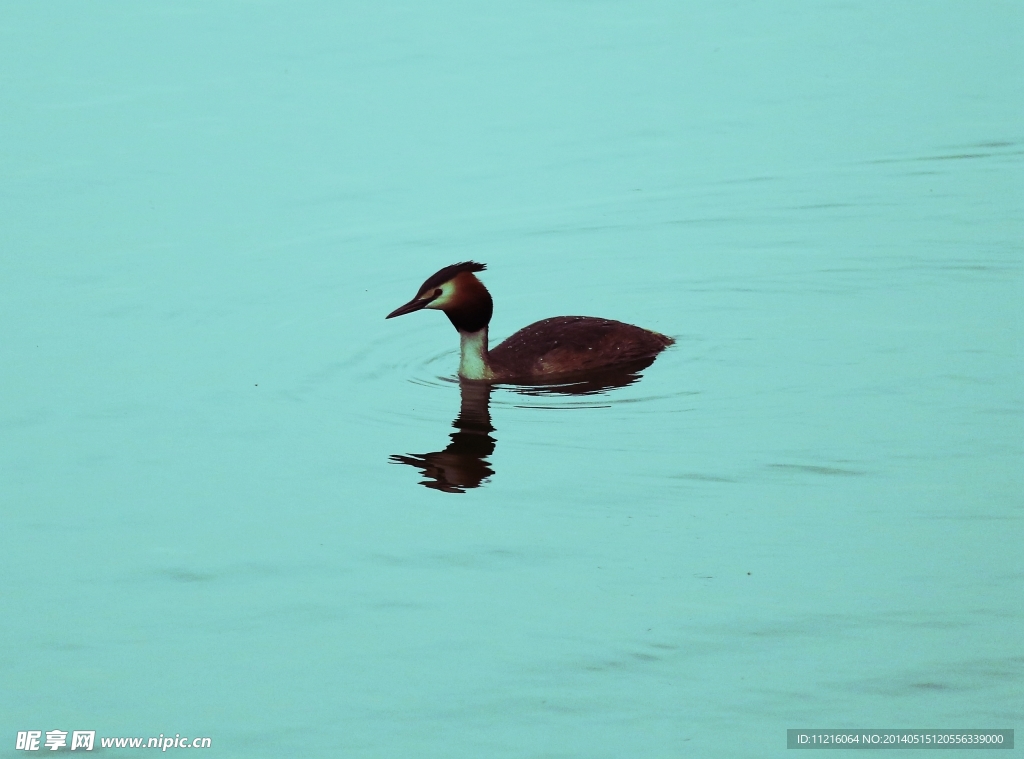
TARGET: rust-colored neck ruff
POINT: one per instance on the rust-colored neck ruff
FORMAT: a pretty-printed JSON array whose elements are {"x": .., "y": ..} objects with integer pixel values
[{"x": 470, "y": 306}]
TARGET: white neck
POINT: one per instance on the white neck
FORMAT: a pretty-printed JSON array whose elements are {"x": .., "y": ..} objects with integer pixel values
[{"x": 473, "y": 364}]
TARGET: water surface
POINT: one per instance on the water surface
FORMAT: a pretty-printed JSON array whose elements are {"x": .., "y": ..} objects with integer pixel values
[{"x": 806, "y": 513}]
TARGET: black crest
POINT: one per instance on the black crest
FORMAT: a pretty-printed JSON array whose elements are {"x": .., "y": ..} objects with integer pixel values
[{"x": 449, "y": 272}]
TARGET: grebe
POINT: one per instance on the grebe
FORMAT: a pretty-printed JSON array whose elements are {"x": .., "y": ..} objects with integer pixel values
[{"x": 546, "y": 351}]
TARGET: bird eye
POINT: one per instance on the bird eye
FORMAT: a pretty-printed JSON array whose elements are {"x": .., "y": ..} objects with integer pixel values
[{"x": 437, "y": 292}]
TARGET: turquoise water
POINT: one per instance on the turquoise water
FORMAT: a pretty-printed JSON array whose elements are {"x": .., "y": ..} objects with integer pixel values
[{"x": 807, "y": 513}]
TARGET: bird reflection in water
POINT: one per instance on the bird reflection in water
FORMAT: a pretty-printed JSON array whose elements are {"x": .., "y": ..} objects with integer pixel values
[{"x": 464, "y": 464}]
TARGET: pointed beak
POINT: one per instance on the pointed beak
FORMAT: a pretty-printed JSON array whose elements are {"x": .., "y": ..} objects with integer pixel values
[{"x": 413, "y": 305}]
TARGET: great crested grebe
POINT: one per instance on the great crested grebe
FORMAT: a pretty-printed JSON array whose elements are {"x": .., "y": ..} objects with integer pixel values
[{"x": 545, "y": 351}]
